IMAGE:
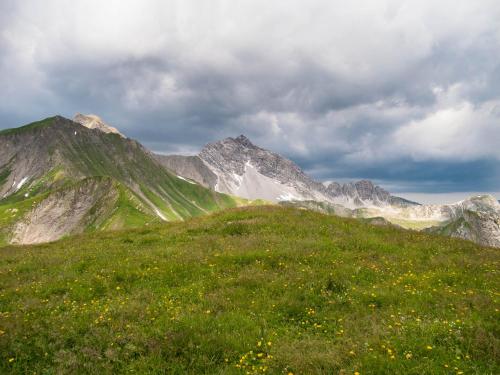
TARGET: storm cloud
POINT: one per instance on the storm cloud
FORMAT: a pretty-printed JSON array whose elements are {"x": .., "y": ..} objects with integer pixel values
[{"x": 406, "y": 93}]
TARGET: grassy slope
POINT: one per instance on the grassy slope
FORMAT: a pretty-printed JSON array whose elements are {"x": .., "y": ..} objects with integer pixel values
[
  {"x": 135, "y": 165},
  {"x": 127, "y": 212},
  {"x": 29, "y": 127},
  {"x": 276, "y": 288},
  {"x": 89, "y": 154}
]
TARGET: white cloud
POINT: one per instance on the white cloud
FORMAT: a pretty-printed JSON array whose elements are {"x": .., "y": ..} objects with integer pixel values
[
  {"x": 461, "y": 132},
  {"x": 328, "y": 81}
]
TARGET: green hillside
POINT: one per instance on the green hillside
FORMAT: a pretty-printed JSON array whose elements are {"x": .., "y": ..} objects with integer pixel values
[
  {"x": 54, "y": 157},
  {"x": 249, "y": 291}
]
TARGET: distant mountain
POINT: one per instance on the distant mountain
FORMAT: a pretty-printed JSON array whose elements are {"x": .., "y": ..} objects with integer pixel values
[
  {"x": 476, "y": 219},
  {"x": 236, "y": 166},
  {"x": 190, "y": 167},
  {"x": 58, "y": 177}
]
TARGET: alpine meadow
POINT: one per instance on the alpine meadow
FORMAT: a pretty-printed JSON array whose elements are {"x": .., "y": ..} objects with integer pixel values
[{"x": 244, "y": 187}]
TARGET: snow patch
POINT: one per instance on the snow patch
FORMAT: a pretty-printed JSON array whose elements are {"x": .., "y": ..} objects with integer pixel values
[
  {"x": 185, "y": 179},
  {"x": 160, "y": 214},
  {"x": 21, "y": 183},
  {"x": 288, "y": 197},
  {"x": 238, "y": 179}
]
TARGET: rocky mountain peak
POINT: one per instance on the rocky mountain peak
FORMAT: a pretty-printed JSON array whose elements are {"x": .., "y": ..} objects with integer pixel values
[
  {"x": 95, "y": 122},
  {"x": 241, "y": 139},
  {"x": 484, "y": 202}
]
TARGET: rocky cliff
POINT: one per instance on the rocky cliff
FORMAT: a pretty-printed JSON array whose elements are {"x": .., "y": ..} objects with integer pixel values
[{"x": 240, "y": 168}]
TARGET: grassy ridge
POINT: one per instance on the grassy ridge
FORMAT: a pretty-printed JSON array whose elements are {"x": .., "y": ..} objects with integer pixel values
[
  {"x": 29, "y": 127},
  {"x": 254, "y": 290},
  {"x": 69, "y": 153}
]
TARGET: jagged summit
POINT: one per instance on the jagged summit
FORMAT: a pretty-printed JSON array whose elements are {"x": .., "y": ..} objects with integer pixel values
[
  {"x": 237, "y": 166},
  {"x": 95, "y": 122},
  {"x": 360, "y": 192},
  {"x": 243, "y": 140}
]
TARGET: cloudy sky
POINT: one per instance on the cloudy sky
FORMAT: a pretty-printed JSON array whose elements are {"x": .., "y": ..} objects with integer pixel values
[{"x": 406, "y": 93}]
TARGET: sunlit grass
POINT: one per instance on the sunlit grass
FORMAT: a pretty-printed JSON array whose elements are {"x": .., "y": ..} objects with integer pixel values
[{"x": 251, "y": 290}]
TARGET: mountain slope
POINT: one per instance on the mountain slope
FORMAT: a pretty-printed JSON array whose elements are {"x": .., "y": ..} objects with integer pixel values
[
  {"x": 476, "y": 219},
  {"x": 291, "y": 291},
  {"x": 240, "y": 168},
  {"x": 57, "y": 153},
  {"x": 190, "y": 167}
]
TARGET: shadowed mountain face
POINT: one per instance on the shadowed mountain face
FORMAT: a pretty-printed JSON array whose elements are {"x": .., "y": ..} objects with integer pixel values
[
  {"x": 55, "y": 167},
  {"x": 191, "y": 167},
  {"x": 237, "y": 166}
]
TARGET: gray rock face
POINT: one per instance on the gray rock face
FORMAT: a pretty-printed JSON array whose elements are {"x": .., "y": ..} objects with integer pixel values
[
  {"x": 30, "y": 152},
  {"x": 363, "y": 193},
  {"x": 190, "y": 167},
  {"x": 476, "y": 219},
  {"x": 65, "y": 211},
  {"x": 253, "y": 172},
  {"x": 95, "y": 122},
  {"x": 240, "y": 168}
]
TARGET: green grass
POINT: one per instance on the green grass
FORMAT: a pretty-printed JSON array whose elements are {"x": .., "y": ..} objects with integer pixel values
[
  {"x": 280, "y": 289},
  {"x": 452, "y": 226},
  {"x": 414, "y": 224},
  {"x": 161, "y": 205},
  {"x": 130, "y": 212},
  {"x": 32, "y": 126}
]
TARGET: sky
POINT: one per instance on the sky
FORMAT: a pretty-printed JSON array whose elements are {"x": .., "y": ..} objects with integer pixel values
[{"x": 406, "y": 93}]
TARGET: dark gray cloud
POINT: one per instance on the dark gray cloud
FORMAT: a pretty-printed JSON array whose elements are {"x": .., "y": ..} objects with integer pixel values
[{"x": 401, "y": 92}]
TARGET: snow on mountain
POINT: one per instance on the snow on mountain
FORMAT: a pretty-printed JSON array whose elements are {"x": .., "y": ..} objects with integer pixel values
[{"x": 238, "y": 167}]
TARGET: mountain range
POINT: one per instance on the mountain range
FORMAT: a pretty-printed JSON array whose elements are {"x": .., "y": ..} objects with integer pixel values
[
  {"x": 60, "y": 177},
  {"x": 236, "y": 166}
]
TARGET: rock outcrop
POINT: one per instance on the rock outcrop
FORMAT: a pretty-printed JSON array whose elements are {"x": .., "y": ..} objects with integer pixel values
[
  {"x": 95, "y": 122},
  {"x": 476, "y": 219}
]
